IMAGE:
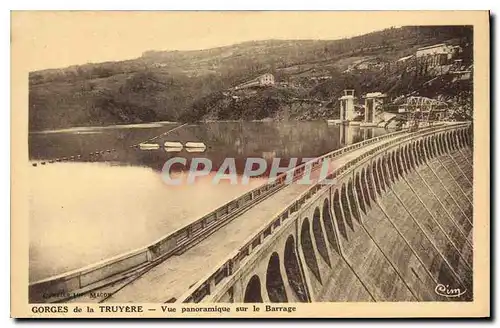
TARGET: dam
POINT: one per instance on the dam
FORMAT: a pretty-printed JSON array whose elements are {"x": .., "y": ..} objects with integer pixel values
[{"x": 396, "y": 226}]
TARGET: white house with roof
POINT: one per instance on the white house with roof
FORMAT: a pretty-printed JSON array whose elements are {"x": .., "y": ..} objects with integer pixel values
[
  {"x": 438, "y": 49},
  {"x": 264, "y": 80}
]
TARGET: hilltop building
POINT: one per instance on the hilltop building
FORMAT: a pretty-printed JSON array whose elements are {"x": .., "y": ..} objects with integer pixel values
[
  {"x": 264, "y": 80},
  {"x": 438, "y": 54},
  {"x": 438, "y": 49}
]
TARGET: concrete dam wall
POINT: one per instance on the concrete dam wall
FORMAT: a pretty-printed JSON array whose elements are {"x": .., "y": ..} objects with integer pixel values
[
  {"x": 412, "y": 232},
  {"x": 397, "y": 226}
]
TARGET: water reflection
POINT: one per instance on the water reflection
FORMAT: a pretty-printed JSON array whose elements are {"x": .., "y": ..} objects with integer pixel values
[
  {"x": 81, "y": 213},
  {"x": 82, "y": 141},
  {"x": 238, "y": 140},
  {"x": 263, "y": 140}
]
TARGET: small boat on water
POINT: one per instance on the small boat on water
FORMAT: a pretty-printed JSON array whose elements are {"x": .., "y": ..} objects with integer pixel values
[
  {"x": 173, "y": 144},
  {"x": 145, "y": 146},
  {"x": 173, "y": 149},
  {"x": 195, "y": 145},
  {"x": 196, "y": 150}
]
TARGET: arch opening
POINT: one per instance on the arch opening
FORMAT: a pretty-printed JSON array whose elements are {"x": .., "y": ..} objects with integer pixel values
[
  {"x": 408, "y": 158},
  {"x": 427, "y": 150},
  {"x": 345, "y": 207},
  {"x": 387, "y": 171},
  {"x": 403, "y": 160},
  {"x": 440, "y": 145},
  {"x": 375, "y": 178},
  {"x": 434, "y": 146},
  {"x": 416, "y": 153},
  {"x": 448, "y": 142},
  {"x": 420, "y": 156},
  {"x": 364, "y": 186},
  {"x": 390, "y": 168},
  {"x": 329, "y": 229},
  {"x": 421, "y": 152},
  {"x": 371, "y": 183},
  {"x": 400, "y": 161},
  {"x": 394, "y": 166},
  {"x": 359, "y": 192},
  {"x": 292, "y": 270},
  {"x": 461, "y": 138},
  {"x": 253, "y": 291},
  {"x": 308, "y": 250},
  {"x": 318, "y": 237},
  {"x": 430, "y": 147},
  {"x": 381, "y": 174},
  {"x": 352, "y": 201},
  {"x": 274, "y": 282},
  {"x": 338, "y": 215}
]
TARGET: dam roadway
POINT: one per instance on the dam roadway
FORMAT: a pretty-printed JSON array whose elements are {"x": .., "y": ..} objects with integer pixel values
[{"x": 168, "y": 280}]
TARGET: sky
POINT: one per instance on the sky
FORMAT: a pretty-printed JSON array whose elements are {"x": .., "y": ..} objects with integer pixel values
[{"x": 61, "y": 39}]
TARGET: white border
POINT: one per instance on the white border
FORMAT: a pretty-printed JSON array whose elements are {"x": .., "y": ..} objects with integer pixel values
[{"x": 187, "y": 5}]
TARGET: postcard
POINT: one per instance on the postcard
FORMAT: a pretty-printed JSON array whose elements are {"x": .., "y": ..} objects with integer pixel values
[{"x": 253, "y": 164}]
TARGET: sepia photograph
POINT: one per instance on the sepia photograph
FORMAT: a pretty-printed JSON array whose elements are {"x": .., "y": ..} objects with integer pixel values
[{"x": 278, "y": 159}]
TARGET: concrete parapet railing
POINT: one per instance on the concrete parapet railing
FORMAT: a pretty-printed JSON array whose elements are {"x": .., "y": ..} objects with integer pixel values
[
  {"x": 66, "y": 285},
  {"x": 229, "y": 266}
]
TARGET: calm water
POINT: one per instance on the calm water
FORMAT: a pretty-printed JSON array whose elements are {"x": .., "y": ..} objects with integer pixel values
[{"x": 96, "y": 207}]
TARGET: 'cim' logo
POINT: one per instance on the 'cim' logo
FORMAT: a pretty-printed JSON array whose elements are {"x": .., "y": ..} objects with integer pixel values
[{"x": 446, "y": 291}]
